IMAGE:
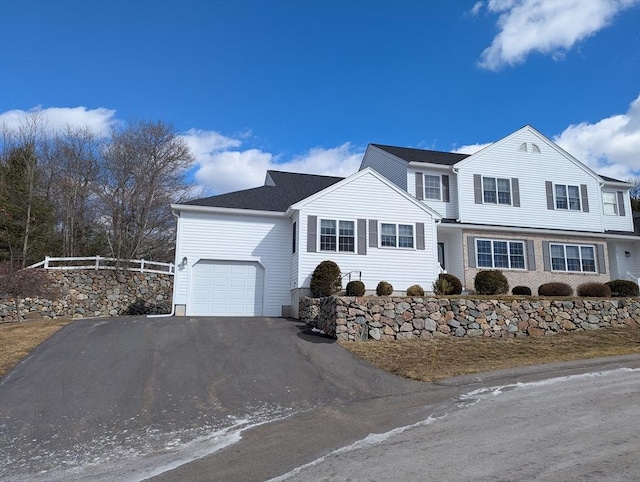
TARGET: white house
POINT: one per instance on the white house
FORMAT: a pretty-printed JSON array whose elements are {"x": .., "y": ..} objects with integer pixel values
[
  {"x": 252, "y": 252},
  {"x": 522, "y": 205}
]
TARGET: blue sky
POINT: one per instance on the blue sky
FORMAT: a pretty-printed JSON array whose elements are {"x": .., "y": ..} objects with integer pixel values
[{"x": 306, "y": 85}]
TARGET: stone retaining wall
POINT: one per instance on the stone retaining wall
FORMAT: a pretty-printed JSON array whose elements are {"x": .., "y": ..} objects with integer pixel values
[
  {"x": 87, "y": 293},
  {"x": 348, "y": 318}
]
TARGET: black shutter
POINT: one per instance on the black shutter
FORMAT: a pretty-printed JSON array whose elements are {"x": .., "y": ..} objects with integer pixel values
[
  {"x": 362, "y": 236},
  {"x": 373, "y": 233},
  {"x": 515, "y": 192},
  {"x": 585, "y": 198},
  {"x": 531, "y": 256},
  {"x": 312, "y": 233},
  {"x": 445, "y": 189},
  {"x": 420, "y": 236},
  {"x": 471, "y": 251},
  {"x": 549, "y": 188},
  {"x": 546, "y": 256},
  {"x": 621, "y": 210},
  {"x": 477, "y": 188},
  {"x": 419, "y": 186}
]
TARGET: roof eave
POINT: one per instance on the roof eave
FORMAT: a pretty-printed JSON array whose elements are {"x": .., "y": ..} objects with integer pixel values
[{"x": 220, "y": 210}]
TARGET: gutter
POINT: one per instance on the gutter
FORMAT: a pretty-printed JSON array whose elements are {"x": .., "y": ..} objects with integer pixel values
[{"x": 173, "y": 305}]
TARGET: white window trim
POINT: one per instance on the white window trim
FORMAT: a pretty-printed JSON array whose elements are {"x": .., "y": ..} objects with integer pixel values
[
  {"x": 424, "y": 187},
  {"x": 497, "y": 203},
  {"x": 615, "y": 203},
  {"x": 568, "y": 208},
  {"x": 396, "y": 224},
  {"x": 579, "y": 246},
  {"x": 508, "y": 241},
  {"x": 337, "y": 250}
]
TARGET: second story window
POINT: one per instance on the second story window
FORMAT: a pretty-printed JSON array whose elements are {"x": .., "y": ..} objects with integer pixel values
[
  {"x": 496, "y": 190},
  {"x": 567, "y": 197},
  {"x": 610, "y": 203},
  {"x": 432, "y": 187}
]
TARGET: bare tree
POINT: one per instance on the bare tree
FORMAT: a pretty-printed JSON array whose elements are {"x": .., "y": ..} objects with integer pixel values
[
  {"x": 73, "y": 169},
  {"x": 142, "y": 172}
]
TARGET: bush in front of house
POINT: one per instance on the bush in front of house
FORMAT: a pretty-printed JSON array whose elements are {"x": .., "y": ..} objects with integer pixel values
[
  {"x": 555, "y": 289},
  {"x": 454, "y": 283},
  {"x": 355, "y": 288},
  {"x": 415, "y": 290},
  {"x": 622, "y": 288},
  {"x": 442, "y": 287},
  {"x": 384, "y": 289},
  {"x": 594, "y": 290},
  {"x": 521, "y": 290},
  {"x": 325, "y": 280},
  {"x": 491, "y": 282}
]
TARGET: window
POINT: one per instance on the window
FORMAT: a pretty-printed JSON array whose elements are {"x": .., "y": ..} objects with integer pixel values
[
  {"x": 294, "y": 238},
  {"x": 610, "y": 203},
  {"x": 567, "y": 197},
  {"x": 396, "y": 235},
  {"x": 570, "y": 257},
  {"x": 494, "y": 253},
  {"x": 496, "y": 190},
  {"x": 337, "y": 235},
  {"x": 432, "y": 187}
]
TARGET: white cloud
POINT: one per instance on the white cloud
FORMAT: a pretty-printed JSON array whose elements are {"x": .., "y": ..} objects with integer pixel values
[
  {"x": 220, "y": 168},
  {"x": 471, "y": 148},
  {"x": 545, "y": 26},
  {"x": 55, "y": 119},
  {"x": 610, "y": 146}
]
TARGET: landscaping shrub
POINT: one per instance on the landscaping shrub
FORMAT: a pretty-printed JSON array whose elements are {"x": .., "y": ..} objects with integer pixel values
[
  {"x": 491, "y": 282},
  {"x": 623, "y": 288},
  {"x": 325, "y": 280},
  {"x": 521, "y": 290},
  {"x": 555, "y": 289},
  {"x": 454, "y": 282},
  {"x": 442, "y": 287},
  {"x": 595, "y": 290},
  {"x": 415, "y": 290},
  {"x": 355, "y": 288},
  {"x": 384, "y": 289}
]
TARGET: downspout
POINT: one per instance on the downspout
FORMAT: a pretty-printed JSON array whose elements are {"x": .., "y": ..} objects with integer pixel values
[
  {"x": 455, "y": 171},
  {"x": 173, "y": 306}
]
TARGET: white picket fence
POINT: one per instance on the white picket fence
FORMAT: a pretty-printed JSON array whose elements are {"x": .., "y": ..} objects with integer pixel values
[{"x": 99, "y": 262}]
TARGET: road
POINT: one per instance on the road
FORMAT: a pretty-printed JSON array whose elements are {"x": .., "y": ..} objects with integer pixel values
[{"x": 209, "y": 399}]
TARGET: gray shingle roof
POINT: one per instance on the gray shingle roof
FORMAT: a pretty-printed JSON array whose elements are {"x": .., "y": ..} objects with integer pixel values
[
  {"x": 289, "y": 188},
  {"x": 422, "y": 155},
  {"x": 610, "y": 179}
]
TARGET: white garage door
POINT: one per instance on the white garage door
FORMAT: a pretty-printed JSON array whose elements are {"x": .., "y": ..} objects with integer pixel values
[{"x": 226, "y": 288}]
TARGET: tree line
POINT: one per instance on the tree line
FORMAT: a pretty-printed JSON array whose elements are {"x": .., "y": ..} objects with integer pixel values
[{"x": 73, "y": 193}]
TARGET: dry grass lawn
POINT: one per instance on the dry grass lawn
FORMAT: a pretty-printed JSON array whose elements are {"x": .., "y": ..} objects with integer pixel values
[
  {"x": 18, "y": 339},
  {"x": 438, "y": 358}
]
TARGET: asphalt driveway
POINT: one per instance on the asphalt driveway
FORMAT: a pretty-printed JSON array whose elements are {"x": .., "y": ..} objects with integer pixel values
[{"x": 105, "y": 391}]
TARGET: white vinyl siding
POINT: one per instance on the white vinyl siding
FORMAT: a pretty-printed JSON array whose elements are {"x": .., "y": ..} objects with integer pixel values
[
  {"x": 503, "y": 160},
  {"x": 368, "y": 198},
  {"x": 445, "y": 209},
  {"x": 617, "y": 222},
  {"x": 226, "y": 237}
]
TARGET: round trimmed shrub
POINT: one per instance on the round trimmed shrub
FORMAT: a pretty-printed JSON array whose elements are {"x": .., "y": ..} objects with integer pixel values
[
  {"x": 491, "y": 282},
  {"x": 454, "y": 282},
  {"x": 355, "y": 288},
  {"x": 325, "y": 280},
  {"x": 521, "y": 290},
  {"x": 623, "y": 288},
  {"x": 555, "y": 289},
  {"x": 594, "y": 290},
  {"x": 384, "y": 289},
  {"x": 415, "y": 290}
]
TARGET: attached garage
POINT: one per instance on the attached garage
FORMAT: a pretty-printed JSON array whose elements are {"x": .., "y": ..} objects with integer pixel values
[{"x": 226, "y": 288}]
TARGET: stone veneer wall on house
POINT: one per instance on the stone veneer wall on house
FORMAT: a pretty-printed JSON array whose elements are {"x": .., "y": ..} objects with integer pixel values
[
  {"x": 349, "y": 318},
  {"x": 88, "y": 293},
  {"x": 534, "y": 278}
]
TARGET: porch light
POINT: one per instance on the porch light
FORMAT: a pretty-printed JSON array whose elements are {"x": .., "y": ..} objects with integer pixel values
[{"x": 627, "y": 254}]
